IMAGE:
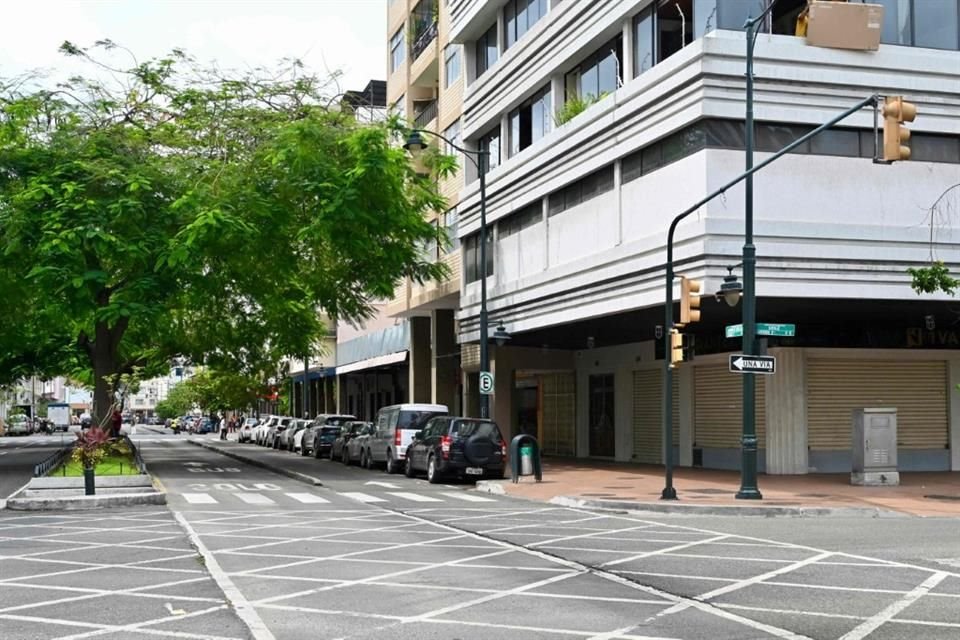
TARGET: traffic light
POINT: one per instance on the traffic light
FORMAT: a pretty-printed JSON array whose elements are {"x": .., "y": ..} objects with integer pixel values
[
  {"x": 896, "y": 111},
  {"x": 689, "y": 300},
  {"x": 676, "y": 347}
]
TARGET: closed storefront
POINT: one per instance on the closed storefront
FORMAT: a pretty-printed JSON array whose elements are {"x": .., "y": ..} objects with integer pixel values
[
  {"x": 558, "y": 393},
  {"x": 916, "y": 388},
  {"x": 648, "y": 415},
  {"x": 718, "y": 416}
]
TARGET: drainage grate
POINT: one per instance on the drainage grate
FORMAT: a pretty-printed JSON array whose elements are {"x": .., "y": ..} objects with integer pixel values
[{"x": 942, "y": 497}]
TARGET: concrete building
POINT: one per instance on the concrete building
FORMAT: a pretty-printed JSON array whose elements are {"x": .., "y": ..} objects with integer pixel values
[{"x": 579, "y": 198}]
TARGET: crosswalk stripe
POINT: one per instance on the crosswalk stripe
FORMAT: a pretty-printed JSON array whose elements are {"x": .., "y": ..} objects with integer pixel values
[
  {"x": 199, "y": 498},
  {"x": 255, "y": 498},
  {"x": 307, "y": 498},
  {"x": 469, "y": 497},
  {"x": 362, "y": 497},
  {"x": 413, "y": 496}
]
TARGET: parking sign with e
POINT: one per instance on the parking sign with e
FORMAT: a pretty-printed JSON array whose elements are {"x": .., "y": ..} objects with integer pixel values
[{"x": 486, "y": 383}]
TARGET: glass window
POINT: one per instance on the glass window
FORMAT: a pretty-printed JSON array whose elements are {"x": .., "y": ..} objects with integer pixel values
[
  {"x": 451, "y": 64},
  {"x": 470, "y": 428},
  {"x": 530, "y": 121},
  {"x": 471, "y": 256},
  {"x": 452, "y": 133},
  {"x": 452, "y": 222},
  {"x": 490, "y": 150},
  {"x": 487, "y": 52},
  {"x": 631, "y": 167},
  {"x": 519, "y": 16},
  {"x": 704, "y": 17},
  {"x": 836, "y": 142},
  {"x": 734, "y": 13},
  {"x": 896, "y": 21},
  {"x": 643, "y": 52},
  {"x": 933, "y": 148},
  {"x": 935, "y": 24},
  {"x": 397, "y": 50},
  {"x": 599, "y": 74},
  {"x": 400, "y": 106}
]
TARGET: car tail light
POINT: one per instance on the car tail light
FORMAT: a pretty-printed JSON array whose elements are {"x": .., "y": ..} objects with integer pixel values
[
  {"x": 445, "y": 442},
  {"x": 397, "y": 438},
  {"x": 503, "y": 449}
]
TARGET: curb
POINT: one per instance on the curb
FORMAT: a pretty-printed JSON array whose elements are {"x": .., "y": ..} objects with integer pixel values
[
  {"x": 83, "y": 503},
  {"x": 490, "y": 486},
  {"x": 725, "y": 510},
  {"x": 295, "y": 475}
]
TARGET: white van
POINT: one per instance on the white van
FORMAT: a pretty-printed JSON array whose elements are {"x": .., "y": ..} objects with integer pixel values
[{"x": 395, "y": 426}]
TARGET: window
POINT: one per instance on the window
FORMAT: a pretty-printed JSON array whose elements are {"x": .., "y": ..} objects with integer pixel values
[
  {"x": 935, "y": 24},
  {"x": 397, "y": 50},
  {"x": 591, "y": 186},
  {"x": 525, "y": 218},
  {"x": 520, "y": 16},
  {"x": 452, "y": 221},
  {"x": 490, "y": 150},
  {"x": 400, "y": 107},
  {"x": 451, "y": 64},
  {"x": 487, "y": 52},
  {"x": 452, "y": 133},
  {"x": 530, "y": 121},
  {"x": 471, "y": 256},
  {"x": 896, "y": 21},
  {"x": 644, "y": 53},
  {"x": 599, "y": 74}
]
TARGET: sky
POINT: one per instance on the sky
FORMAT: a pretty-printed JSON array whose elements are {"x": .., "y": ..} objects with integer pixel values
[{"x": 327, "y": 35}]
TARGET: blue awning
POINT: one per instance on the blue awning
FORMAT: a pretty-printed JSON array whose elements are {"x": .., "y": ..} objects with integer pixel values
[{"x": 316, "y": 374}]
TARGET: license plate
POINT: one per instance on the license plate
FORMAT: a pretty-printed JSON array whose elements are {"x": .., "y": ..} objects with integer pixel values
[{"x": 474, "y": 471}]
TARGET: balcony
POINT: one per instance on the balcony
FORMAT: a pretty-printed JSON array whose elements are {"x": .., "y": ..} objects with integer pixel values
[
  {"x": 424, "y": 56},
  {"x": 424, "y": 36},
  {"x": 424, "y": 112}
]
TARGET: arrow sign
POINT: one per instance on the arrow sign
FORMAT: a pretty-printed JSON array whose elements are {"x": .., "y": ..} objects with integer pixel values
[
  {"x": 740, "y": 363},
  {"x": 386, "y": 485}
]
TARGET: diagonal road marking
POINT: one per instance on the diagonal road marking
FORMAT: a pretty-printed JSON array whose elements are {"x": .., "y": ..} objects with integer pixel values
[{"x": 872, "y": 623}]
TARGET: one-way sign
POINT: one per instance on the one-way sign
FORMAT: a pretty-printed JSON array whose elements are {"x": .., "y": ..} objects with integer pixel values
[{"x": 740, "y": 363}]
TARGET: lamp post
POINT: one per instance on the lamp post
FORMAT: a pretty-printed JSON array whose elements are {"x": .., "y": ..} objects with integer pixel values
[{"x": 416, "y": 145}]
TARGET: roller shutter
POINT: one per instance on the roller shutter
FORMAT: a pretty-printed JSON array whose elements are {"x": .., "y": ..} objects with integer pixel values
[
  {"x": 647, "y": 415},
  {"x": 718, "y": 409},
  {"x": 916, "y": 388},
  {"x": 559, "y": 413}
]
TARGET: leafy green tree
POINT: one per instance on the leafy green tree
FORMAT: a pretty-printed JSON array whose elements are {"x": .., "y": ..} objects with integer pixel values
[
  {"x": 171, "y": 211},
  {"x": 180, "y": 400}
]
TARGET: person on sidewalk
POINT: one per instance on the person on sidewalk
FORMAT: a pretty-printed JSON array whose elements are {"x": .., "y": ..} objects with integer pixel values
[{"x": 116, "y": 421}]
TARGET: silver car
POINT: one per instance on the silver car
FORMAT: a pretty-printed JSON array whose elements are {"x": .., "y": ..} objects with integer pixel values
[{"x": 395, "y": 426}]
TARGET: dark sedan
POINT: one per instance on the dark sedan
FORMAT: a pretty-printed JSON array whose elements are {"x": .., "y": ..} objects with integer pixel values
[
  {"x": 462, "y": 447},
  {"x": 349, "y": 431}
]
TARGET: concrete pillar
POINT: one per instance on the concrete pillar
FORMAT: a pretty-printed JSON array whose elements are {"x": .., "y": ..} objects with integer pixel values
[
  {"x": 342, "y": 403},
  {"x": 786, "y": 400},
  {"x": 684, "y": 377},
  {"x": 443, "y": 343},
  {"x": 420, "y": 360},
  {"x": 953, "y": 379},
  {"x": 471, "y": 396},
  {"x": 503, "y": 404},
  {"x": 623, "y": 413}
]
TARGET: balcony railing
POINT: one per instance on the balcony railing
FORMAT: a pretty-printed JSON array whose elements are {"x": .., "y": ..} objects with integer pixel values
[
  {"x": 425, "y": 115},
  {"x": 423, "y": 39}
]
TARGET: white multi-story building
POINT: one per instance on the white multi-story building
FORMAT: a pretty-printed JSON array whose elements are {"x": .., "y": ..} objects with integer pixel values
[{"x": 578, "y": 206}]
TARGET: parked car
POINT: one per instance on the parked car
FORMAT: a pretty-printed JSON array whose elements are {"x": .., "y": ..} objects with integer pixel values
[
  {"x": 272, "y": 438},
  {"x": 285, "y": 439},
  {"x": 395, "y": 426},
  {"x": 245, "y": 433},
  {"x": 19, "y": 426},
  {"x": 308, "y": 445},
  {"x": 455, "y": 446},
  {"x": 206, "y": 425},
  {"x": 260, "y": 431},
  {"x": 347, "y": 446}
]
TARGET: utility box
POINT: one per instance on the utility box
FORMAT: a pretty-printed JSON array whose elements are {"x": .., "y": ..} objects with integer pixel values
[
  {"x": 844, "y": 25},
  {"x": 875, "y": 447}
]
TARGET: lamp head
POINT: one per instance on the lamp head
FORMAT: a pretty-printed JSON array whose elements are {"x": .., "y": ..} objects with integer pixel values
[
  {"x": 730, "y": 290},
  {"x": 415, "y": 143},
  {"x": 501, "y": 335}
]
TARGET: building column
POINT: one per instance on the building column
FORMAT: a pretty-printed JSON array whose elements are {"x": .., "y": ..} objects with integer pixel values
[
  {"x": 419, "y": 370},
  {"x": 443, "y": 344},
  {"x": 685, "y": 378},
  {"x": 503, "y": 403},
  {"x": 786, "y": 400},
  {"x": 953, "y": 379}
]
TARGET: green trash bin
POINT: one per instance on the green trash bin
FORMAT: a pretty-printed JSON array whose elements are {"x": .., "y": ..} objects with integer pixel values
[{"x": 526, "y": 460}]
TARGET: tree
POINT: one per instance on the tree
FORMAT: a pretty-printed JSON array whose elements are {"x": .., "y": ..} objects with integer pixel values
[
  {"x": 180, "y": 400},
  {"x": 169, "y": 210},
  {"x": 936, "y": 277}
]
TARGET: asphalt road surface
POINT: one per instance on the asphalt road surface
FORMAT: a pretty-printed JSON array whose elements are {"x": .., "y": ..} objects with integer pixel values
[
  {"x": 373, "y": 556},
  {"x": 18, "y": 454}
]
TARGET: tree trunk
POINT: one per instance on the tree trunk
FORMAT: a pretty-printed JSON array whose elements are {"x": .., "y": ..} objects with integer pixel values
[{"x": 104, "y": 358}]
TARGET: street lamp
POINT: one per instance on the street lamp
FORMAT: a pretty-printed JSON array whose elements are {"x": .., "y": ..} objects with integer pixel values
[
  {"x": 501, "y": 335},
  {"x": 731, "y": 289},
  {"x": 416, "y": 145}
]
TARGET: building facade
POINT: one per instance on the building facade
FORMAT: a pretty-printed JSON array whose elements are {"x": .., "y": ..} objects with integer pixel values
[{"x": 605, "y": 119}]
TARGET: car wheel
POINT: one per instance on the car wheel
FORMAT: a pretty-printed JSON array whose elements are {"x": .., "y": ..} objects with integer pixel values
[
  {"x": 345, "y": 456},
  {"x": 391, "y": 466},
  {"x": 316, "y": 450},
  {"x": 303, "y": 450},
  {"x": 433, "y": 477},
  {"x": 408, "y": 470}
]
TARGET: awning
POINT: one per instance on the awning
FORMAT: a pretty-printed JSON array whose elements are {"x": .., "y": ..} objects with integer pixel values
[
  {"x": 373, "y": 363},
  {"x": 324, "y": 372}
]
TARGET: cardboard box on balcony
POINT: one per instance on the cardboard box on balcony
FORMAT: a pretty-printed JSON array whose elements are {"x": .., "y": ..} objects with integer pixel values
[{"x": 844, "y": 25}]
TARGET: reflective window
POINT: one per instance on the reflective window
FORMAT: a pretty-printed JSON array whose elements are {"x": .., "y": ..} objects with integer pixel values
[
  {"x": 486, "y": 49},
  {"x": 935, "y": 24},
  {"x": 397, "y": 50},
  {"x": 530, "y": 121},
  {"x": 451, "y": 64},
  {"x": 896, "y": 21},
  {"x": 520, "y": 16},
  {"x": 490, "y": 150}
]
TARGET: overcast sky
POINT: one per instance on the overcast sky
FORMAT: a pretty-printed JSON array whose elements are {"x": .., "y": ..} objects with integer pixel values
[{"x": 345, "y": 35}]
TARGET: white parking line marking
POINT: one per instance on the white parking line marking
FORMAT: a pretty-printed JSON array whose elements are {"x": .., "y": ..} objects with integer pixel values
[
  {"x": 307, "y": 498},
  {"x": 362, "y": 497},
  {"x": 469, "y": 497},
  {"x": 385, "y": 485},
  {"x": 254, "y": 498},
  {"x": 872, "y": 623},
  {"x": 416, "y": 497},
  {"x": 199, "y": 498}
]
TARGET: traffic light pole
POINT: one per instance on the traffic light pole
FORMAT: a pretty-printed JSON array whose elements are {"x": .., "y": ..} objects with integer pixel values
[{"x": 669, "y": 492}]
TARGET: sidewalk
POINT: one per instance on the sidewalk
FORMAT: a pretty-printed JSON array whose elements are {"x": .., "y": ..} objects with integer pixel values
[{"x": 596, "y": 482}]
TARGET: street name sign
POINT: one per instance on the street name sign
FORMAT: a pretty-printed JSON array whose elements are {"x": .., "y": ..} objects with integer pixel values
[
  {"x": 486, "y": 383},
  {"x": 740, "y": 363},
  {"x": 764, "y": 329}
]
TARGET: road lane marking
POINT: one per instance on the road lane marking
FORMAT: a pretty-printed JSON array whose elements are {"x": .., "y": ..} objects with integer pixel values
[
  {"x": 362, "y": 497},
  {"x": 469, "y": 497},
  {"x": 385, "y": 485},
  {"x": 307, "y": 498},
  {"x": 254, "y": 498},
  {"x": 415, "y": 497},
  {"x": 199, "y": 498},
  {"x": 872, "y": 623}
]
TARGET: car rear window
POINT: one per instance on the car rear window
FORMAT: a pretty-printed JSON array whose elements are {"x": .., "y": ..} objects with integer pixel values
[
  {"x": 415, "y": 419},
  {"x": 338, "y": 421},
  {"x": 329, "y": 430},
  {"x": 468, "y": 429}
]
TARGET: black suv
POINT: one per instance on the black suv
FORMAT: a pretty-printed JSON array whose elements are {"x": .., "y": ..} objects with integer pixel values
[{"x": 454, "y": 446}]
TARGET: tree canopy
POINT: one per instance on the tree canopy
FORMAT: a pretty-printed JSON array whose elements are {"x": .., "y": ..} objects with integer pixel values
[{"x": 159, "y": 209}]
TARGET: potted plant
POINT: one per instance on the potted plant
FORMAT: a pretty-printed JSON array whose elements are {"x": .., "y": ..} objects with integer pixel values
[{"x": 89, "y": 451}]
